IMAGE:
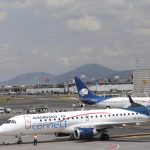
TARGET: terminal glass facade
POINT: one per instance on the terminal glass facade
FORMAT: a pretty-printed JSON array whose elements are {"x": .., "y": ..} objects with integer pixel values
[{"x": 141, "y": 82}]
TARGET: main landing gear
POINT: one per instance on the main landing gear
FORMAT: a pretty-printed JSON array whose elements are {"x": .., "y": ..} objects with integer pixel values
[
  {"x": 71, "y": 137},
  {"x": 104, "y": 136},
  {"x": 19, "y": 140}
]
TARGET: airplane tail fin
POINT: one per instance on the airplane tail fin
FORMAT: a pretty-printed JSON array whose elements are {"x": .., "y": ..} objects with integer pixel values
[
  {"x": 85, "y": 95},
  {"x": 83, "y": 90}
]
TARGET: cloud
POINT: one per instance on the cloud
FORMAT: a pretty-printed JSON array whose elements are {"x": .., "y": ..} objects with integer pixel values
[
  {"x": 58, "y": 9},
  {"x": 142, "y": 32},
  {"x": 87, "y": 23},
  {"x": 115, "y": 3},
  {"x": 17, "y": 4},
  {"x": 64, "y": 34},
  {"x": 115, "y": 50},
  {"x": 86, "y": 50},
  {"x": 8, "y": 56},
  {"x": 4, "y": 46},
  {"x": 65, "y": 61},
  {"x": 3, "y": 16},
  {"x": 34, "y": 52},
  {"x": 58, "y": 3}
]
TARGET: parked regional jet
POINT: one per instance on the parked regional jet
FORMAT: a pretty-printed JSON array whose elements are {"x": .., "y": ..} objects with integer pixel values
[
  {"x": 87, "y": 97},
  {"x": 78, "y": 124}
]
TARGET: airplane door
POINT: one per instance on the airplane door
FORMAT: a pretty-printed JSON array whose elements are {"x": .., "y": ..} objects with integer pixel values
[
  {"x": 27, "y": 122},
  {"x": 87, "y": 117}
]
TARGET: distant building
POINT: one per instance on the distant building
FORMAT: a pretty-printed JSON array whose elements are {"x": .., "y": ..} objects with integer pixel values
[
  {"x": 141, "y": 82},
  {"x": 117, "y": 77}
]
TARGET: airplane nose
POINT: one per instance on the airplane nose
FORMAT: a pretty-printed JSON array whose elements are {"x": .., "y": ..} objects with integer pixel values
[{"x": 2, "y": 130}]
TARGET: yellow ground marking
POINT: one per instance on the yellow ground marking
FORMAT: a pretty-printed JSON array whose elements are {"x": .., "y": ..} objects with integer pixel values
[{"x": 137, "y": 135}]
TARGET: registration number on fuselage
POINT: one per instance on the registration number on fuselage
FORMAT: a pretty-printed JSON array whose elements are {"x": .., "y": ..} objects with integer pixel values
[{"x": 45, "y": 117}]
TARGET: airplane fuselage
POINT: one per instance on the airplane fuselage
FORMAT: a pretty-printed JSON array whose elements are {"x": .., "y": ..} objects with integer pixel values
[
  {"x": 90, "y": 98},
  {"x": 122, "y": 102},
  {"x": 67, "y": 122}
]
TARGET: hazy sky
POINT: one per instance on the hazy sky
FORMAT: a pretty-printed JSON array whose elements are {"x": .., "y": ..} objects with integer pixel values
[{"x": 56, "y": 36}]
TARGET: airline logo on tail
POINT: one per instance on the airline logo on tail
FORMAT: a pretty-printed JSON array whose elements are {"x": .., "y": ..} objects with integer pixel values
[
  {"x": 86, "y": 96},
  {"x": 83, "y": 92}
]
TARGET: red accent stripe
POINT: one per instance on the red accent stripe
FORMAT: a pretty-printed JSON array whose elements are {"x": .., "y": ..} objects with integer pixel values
[{"x": 104, "y": 113}]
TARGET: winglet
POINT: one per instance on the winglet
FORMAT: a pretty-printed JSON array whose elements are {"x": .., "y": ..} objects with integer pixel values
[{"x": 133, "y": 104}]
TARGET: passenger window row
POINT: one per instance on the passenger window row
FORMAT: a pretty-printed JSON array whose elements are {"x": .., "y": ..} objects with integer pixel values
[
  {"x": 91, "y": 116},
  {"x": 115, "y": 102}
]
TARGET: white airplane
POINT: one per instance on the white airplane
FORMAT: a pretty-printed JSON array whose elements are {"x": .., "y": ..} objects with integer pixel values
[
  {"x": 78, "y": 124},
  {"x": 87, "y": 97}
]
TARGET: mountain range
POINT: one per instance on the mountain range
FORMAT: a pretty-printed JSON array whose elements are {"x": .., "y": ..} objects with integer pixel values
[{"x": 90, "y": 70}]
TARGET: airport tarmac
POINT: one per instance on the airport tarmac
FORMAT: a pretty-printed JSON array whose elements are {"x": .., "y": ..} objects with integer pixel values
[
  {"x": 53, "y": 102},
  {"x": 127, "y": 138},
  {"x": 122, "y": 141}
]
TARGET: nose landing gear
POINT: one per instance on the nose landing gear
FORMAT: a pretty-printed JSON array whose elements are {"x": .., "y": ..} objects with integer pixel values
[{"x": 19, "y": 140}]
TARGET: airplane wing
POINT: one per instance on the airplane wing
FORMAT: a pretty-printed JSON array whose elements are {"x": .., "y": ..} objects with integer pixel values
[{"x": 99, "y": 126}]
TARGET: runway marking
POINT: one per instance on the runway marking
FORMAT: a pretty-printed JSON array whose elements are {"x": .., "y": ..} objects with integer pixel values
[
  {"x": 137, "y": 135},
  {"x": 138, "y": 127},
  {"x": 114, "y": 146}
]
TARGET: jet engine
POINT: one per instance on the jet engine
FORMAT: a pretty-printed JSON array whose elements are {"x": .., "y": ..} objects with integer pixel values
[{"x": 84, "y": 133}]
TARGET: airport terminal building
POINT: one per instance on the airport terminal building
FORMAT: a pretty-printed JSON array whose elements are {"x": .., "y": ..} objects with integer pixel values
[
  {"x": 141, "y": 82},
  {"x": 116, "y": 90},
  {"x": 139, "y": 87}
]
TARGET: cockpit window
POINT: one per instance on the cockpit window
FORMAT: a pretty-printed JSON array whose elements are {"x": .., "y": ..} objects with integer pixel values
[
  {"x": 8, "y": 121},
  {"x": 13, "y": 121}
]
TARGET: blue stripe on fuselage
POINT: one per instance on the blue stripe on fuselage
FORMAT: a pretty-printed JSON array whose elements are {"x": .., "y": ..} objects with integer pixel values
[
  {"x": 94, "y": 99},
  {"x": 142, "y": 110}
]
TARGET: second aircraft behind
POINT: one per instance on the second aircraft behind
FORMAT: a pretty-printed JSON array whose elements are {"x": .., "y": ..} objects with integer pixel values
[{"x": 89, "y": 98}]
